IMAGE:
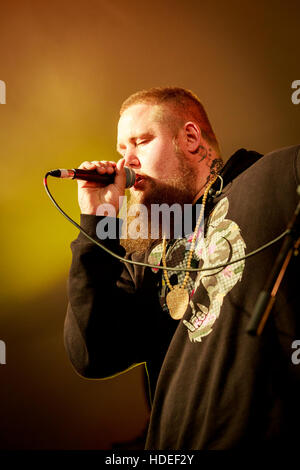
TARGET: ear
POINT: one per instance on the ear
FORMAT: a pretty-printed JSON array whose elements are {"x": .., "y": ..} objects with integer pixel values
[{"x": 192, "y": 137}]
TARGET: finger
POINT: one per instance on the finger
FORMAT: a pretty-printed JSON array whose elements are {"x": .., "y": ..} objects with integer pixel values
[
  {"x": 105, "y": 166},
  {"x": 120, "y": 164},
  {"x": 120, "y": 179},
  {"x": 104, "y": 163},
  {"x": 87, "y": 165},
  {"x": 107, "y": 162}
]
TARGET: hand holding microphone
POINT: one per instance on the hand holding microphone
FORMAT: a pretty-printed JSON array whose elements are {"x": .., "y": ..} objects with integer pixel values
[{"x": 104, "y": 182}]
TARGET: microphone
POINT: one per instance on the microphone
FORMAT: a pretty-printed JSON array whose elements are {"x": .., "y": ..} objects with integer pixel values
[{"x": 93, "y": 175}]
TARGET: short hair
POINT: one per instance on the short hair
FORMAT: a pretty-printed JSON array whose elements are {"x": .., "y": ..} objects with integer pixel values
[{"x": 183, "y": 103}]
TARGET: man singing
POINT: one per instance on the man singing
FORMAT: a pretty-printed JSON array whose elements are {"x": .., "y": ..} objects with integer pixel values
[{"x": 213, "y": 386}]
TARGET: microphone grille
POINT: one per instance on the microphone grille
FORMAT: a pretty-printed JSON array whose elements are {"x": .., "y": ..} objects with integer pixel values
[{"x": 130, "y": 177}]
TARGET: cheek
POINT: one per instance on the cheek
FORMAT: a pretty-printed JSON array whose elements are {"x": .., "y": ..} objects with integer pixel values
[{"x": 158, "y": 159}]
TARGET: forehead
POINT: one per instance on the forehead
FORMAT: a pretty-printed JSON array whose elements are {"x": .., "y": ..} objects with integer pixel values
[{"x": 137, "y": 119}]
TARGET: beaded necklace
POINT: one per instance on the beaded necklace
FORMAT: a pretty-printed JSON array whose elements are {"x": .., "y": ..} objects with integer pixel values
[{"x": 178, "y": 296}]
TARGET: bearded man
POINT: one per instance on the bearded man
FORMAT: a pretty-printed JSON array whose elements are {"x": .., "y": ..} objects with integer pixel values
[{"x": 213, "y": 386}]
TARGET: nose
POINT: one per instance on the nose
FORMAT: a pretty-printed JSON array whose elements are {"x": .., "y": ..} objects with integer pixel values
[{"x": 131, "y": 158}]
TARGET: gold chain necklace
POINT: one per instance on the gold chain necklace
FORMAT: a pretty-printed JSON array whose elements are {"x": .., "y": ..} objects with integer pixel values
[{"x": 178, "y": 296}]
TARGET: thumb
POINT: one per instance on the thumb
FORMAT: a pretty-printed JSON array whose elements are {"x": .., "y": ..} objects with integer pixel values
[{"x": 120, "y": 178}]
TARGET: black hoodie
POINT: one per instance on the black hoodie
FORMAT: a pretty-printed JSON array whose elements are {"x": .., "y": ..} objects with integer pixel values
[{"x": 214, "y": 386}]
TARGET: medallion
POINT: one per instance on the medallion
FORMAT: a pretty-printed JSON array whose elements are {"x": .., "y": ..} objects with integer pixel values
[{"x": 177, "y": 302}]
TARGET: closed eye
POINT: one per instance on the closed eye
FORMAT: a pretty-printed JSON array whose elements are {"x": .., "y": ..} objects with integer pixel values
[{"x": 144, "y": 139}]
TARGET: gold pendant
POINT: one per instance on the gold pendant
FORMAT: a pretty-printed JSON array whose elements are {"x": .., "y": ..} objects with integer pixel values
[{"x": 177, "y": 302}]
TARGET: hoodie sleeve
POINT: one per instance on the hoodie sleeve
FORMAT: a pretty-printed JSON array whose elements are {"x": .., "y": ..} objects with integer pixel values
[{"x": 111, "y": 322}]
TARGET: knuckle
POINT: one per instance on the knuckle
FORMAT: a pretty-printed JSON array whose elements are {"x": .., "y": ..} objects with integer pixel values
[{"x": 84, "y": 164}]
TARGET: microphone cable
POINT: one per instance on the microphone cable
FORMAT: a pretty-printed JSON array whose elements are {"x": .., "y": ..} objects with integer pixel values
[{"x": 139, "y": 263}]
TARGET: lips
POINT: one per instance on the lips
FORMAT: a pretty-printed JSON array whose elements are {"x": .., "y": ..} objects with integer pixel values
[{"x": 139, "y": 181}]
